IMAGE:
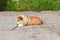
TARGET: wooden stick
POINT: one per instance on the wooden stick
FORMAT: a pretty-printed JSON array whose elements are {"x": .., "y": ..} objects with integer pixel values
[{"x": 14, "y": 27}]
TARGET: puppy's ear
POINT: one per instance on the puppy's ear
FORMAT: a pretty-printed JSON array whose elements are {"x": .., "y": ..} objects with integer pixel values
[
  {"x": 17, "y": 15},
  {"x": 23, "y": 16}
]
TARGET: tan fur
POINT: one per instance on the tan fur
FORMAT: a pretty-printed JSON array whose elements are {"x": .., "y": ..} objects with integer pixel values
[
  {"x": 25, "y": 20},
  {"x": 33, "y": 20},
  {"x": 18, "y": 17}
]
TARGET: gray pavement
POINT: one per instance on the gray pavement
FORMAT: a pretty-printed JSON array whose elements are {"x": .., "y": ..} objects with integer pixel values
[{"x": 49, "y": 30}]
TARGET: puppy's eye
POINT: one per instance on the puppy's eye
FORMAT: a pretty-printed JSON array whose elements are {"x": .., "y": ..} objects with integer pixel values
[{"x": 18, "y": 20}]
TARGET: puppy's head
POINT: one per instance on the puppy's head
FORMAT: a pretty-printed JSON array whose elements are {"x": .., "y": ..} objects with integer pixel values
[{"x": 19, "y": 19}]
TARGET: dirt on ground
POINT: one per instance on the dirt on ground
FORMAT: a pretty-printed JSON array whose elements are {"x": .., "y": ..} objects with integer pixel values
[{"x": 49, "y": 30}]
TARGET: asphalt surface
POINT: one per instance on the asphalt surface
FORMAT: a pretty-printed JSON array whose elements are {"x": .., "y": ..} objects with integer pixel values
[{"x": 49, "y": 30}]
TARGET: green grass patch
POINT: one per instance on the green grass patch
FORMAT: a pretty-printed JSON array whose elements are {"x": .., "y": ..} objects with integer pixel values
[
  {"x": 32, "y": 5},
  {"x": 3, "y": 4}
]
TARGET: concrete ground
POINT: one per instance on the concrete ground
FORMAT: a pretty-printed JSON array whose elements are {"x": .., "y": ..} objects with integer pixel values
[{"x": 49, "y": 30}]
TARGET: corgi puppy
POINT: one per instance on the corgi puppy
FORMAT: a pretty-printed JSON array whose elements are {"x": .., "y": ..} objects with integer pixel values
[
  {"x": 32, "y": 20},
  {"x": 21, "y": 20}
]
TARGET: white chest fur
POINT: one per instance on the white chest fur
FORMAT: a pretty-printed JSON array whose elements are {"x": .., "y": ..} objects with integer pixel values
[{"x": 20, "y": 24}]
